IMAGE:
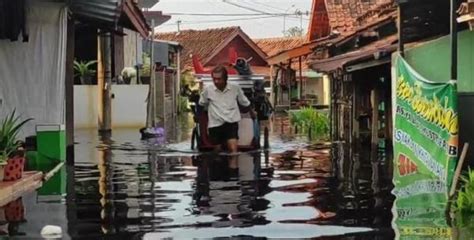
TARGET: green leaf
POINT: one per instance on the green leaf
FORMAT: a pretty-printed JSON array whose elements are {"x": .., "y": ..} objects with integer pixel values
[{"x": 9, "y": 130}]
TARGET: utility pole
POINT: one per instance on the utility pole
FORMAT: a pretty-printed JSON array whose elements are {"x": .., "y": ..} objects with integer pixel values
[
  {"x": 300, "y": 13},
  {"x": 179, "y": 24}
]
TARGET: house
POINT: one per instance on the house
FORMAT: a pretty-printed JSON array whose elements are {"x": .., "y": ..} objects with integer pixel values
[
  {"x": 212, "y": 47},
  {"x": 310, "y": 84},
  {"x": 358, "y": 65},
  {"x": 350, "y": 43},
  {"x": 165, "y": 80},
  {"x": 38, "y": 66},
  {"x": 289, "y": 59},
  {"x": 127, "y": 57},
  {"x": 37, "y": 50}
]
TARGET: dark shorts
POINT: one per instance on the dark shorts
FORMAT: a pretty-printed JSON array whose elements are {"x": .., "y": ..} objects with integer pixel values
[{"x": 224, "y": 132}]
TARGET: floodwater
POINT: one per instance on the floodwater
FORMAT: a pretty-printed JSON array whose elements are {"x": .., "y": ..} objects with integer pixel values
[{"x": 123, "y": 188}]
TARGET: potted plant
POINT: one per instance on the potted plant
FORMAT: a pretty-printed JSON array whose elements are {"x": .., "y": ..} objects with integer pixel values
[
  {"x": 84, "y": 71},
  {"x": 11, "y": 158}
]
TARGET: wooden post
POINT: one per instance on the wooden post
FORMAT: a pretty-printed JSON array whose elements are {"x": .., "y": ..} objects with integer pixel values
[
  {"x": 163, "y": 99},
  {"x": 355, "y": 114},
  {"x": 457, "y": 173},
  {"x": 104, "y": 81},
  {"x": 454, "y": 41},
  {"x": 300, "y": 86},
  {"x": 454, "y": 184},
  {"x": 400, "y": 30},
  {"x": 151, "y": 103},
  {"x": 178, "y": 80},
  {"x": 332, "y": 109},
  {"x": 70, "y": 92},
  {"x": 272, "y": 84},
  {"x": 375, "y": 119},
  {"x": 289, "y": 86},
  {"x": 158, "y": 97}
]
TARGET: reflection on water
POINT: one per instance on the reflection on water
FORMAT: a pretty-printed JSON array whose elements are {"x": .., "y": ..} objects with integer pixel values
[{"x": 124, "y": 188}]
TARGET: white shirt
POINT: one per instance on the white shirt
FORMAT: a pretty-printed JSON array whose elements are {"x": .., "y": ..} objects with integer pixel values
[{"x": 222, "y": 105}]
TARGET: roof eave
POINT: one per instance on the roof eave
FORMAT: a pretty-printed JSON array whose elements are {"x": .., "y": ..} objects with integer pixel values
[
  {"x": 136, "y": 17},
  {"x": 341, "y": 61},
  {"x": 245, "y": 37}
]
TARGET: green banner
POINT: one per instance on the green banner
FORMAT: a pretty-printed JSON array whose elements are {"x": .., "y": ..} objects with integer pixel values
[{"x": 425, "y": 141}]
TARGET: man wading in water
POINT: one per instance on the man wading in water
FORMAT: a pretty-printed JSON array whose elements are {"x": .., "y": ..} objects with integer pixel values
[{"x": 222, "y": 100}]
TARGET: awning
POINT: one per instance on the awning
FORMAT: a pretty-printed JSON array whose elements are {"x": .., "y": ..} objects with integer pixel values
[
  {"x": 111, "y": 14},
  {"x": 375, "y": 50},
  {"x": 158, "y": 16}
]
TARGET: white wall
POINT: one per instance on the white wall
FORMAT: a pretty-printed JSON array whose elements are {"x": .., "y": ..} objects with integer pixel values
[
  {"x": 128, "y": 106},
  {"x": 326, "y": 90},
  {"x": 313, "y": 86},
  {"x": 85, "y": 106}
]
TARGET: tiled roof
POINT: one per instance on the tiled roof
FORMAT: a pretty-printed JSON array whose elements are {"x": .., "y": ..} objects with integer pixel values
[
  {"x": 344, "y": 14},
  {"x": 319, "y": 24},
  {"x": 377, "y": 12},
  {"x": 346, "y": 18},
  {"x": 200, "y": 42},
  {"x": 274, "y": 46}
]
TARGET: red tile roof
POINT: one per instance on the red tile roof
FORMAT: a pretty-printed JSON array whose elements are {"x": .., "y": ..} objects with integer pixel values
[
  {"x": 274, "y": 46},
  {"x": 200, "y": 42},
  {"x": 346, "y": 18},
  {"x": 319, "y": 25},
  {"x": 377, "y": 13},
  {"x": 344, "y": 14}
]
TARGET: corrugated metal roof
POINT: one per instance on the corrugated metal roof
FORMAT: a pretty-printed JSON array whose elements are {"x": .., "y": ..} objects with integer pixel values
[
  {"x": 106, "y": 11},
  {"x": 110, "y": 14}
]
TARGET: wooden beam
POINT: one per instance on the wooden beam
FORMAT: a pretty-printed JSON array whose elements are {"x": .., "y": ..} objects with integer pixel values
[
  {"x": 12, "y": 190},
  {"x": 136, "y": 18}
]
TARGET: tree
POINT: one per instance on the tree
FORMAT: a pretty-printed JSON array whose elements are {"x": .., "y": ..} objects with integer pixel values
[{"x": 294, "y": 32}]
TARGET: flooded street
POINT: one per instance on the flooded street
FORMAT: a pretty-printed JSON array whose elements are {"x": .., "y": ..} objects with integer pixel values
[
  {"x": 233, "y": 119},
  {"x": 124, "y": 188}
]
